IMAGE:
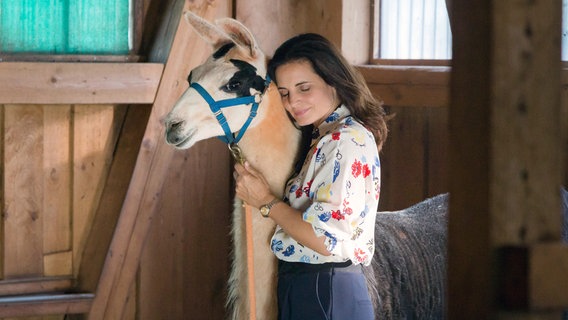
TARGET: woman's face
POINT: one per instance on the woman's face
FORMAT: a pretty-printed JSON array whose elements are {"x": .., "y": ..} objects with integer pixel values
[{"x": 304, "y": 93}]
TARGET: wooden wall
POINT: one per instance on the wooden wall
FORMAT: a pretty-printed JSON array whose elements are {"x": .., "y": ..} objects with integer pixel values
[{"x": 55, "y": 163}]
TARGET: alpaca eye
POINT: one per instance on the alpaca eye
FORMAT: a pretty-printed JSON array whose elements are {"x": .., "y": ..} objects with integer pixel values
[{"x": 232, "y": 86}]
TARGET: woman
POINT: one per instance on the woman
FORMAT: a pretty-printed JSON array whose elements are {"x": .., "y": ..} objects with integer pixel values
[{"x": 325, "y": 223}]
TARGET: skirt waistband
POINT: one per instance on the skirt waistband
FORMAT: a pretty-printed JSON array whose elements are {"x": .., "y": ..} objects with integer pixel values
[{"x": 285, "y": 267}]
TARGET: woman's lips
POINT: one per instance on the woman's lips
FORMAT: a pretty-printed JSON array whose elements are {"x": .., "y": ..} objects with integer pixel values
[{"x": 300, "y": 113}]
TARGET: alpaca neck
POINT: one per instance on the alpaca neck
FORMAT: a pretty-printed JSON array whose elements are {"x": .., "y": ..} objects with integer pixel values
[{"x": 271, "y": 143}]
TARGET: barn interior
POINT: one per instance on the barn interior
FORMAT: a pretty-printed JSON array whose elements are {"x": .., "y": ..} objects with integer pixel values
[{"x": 102, "y": 220}]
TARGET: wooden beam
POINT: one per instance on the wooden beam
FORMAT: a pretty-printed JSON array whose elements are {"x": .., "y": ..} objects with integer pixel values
[
  {"x": 505, "y": 153},
  {"x": 409, "y": 85},
  {"x": 78, "y": 83},
  {"x": 153, "y": 161}
]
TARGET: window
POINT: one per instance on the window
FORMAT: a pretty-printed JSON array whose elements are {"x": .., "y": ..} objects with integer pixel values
[
  {"x": 95, "y": 27},
  {"x": 412, "y": 29},
  {"x": 420, "y": 30}
]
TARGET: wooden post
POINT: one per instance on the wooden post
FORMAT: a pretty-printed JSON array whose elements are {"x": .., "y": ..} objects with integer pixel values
[{"x": 505, "y": 155}]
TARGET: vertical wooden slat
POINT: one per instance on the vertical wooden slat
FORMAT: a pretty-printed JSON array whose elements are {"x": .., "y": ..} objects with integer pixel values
[
  {"x": 58, "y": 256},
  {"x": 2, "y": 188},
  {"x": 526, "y": 123},
  {"x": 94, "y": 136},
  {"x": 402, "y": 160},
  {"x": 23, "y": 211},
  {"x": 57, "y": 179},
  {"x": 470, "y": 293}
]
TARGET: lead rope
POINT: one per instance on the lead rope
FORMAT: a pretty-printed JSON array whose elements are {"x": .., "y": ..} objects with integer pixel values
[{"x": 237, "y": 154}]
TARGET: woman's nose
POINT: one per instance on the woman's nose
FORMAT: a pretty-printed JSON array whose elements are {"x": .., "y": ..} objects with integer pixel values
[{"x": 293, "y": 98}]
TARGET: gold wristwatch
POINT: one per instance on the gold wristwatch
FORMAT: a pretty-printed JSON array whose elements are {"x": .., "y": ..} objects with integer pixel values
[{"x": 265, "y": 209}]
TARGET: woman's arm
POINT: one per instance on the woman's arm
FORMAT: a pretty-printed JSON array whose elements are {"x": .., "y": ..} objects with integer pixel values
[{"x": 252, "y": 188}]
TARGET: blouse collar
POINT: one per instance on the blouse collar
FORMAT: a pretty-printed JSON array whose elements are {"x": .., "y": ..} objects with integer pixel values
[{"x": 330, "y": 122}]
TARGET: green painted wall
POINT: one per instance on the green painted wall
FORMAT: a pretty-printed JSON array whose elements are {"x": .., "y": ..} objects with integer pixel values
[{"x": 64, "y": 26}]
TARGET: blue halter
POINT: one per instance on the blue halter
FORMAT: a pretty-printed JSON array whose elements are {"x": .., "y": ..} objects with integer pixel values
[{"x": 216, "y": 107}]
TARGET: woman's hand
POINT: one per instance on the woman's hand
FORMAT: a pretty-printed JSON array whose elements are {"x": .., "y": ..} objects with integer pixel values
[{"x": 251, "y": 186}]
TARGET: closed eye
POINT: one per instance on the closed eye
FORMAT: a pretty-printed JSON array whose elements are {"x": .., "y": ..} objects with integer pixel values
[{"x": 231, "y": 86}]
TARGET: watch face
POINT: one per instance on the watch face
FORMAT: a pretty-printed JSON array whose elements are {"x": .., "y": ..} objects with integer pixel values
[{"x": 264, "y": 211}]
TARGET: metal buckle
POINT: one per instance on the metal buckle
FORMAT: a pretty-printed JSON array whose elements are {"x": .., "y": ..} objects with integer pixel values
[{"x": 237, "y": 153}]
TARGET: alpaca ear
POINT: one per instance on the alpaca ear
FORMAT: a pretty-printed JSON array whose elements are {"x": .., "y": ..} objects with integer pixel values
[
  {"x": 240, "y": 35},
  {"x": 207, "y": 31}
]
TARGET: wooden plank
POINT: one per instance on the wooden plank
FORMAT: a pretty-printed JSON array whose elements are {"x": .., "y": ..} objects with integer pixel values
[
  {"x": 470, "y": 293},
  {"x": 526, "y": 124},
  {"x": 35, "y": 285},
  {"x": 58, "y": 263},
  {"x": 409, "y": 85},
  {"x": 186, "y": 253},
  {"x": 274, "y": 22},
  {"x": 148, "y": 178},
  {"x": 162, "y": 272},
  {"x": 57, "y": 178},
  {"x": 78, "y": 83},
  {"x": 23, "y": 211},
  {"x": 207, "y": 235},
  {"x": 2, "y": 188},
  {"x": 95, "y": 130},
  {"x": 104, "y": 221},
  {"x": 403, "y": 161}
]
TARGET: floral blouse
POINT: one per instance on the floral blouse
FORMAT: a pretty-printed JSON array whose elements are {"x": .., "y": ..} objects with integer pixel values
[{"x": 338, "y": 191}]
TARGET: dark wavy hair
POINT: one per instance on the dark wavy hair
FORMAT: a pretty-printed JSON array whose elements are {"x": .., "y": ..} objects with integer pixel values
[{"x": 328, "y": 62}]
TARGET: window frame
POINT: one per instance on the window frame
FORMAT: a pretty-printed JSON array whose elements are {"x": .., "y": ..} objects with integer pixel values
[{"x": 374, "y": 47}]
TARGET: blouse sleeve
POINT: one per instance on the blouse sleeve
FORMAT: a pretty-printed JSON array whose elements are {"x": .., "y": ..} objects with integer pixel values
[{"x": 344, "y": 194}]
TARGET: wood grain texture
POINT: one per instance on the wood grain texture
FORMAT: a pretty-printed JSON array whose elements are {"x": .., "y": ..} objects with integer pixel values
[
  {"x": 150, "y": 171},
  {"x": 23, "y": 212},
  {"x": 78, "y": 83},
  {"x": 95, "y": 131}
]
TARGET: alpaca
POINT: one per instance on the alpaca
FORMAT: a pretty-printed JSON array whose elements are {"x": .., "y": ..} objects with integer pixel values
[{"x": 238, "y": 67}]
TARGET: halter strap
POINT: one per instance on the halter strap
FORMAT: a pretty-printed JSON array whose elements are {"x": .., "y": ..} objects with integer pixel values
[{"x": 216, "y": 107}]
